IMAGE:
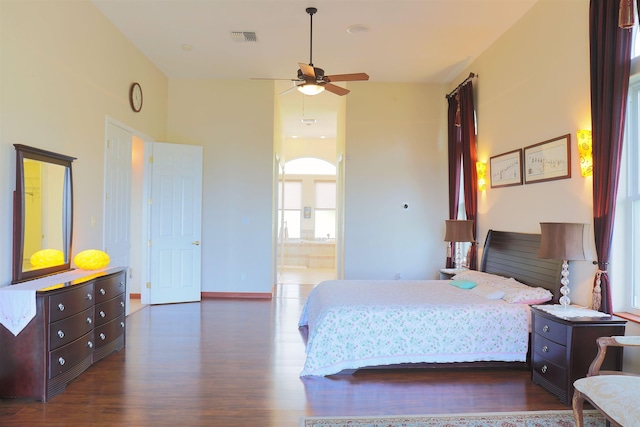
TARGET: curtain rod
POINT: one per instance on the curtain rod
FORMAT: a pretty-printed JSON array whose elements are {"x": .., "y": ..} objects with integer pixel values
[{"x": 453, "y": 92}]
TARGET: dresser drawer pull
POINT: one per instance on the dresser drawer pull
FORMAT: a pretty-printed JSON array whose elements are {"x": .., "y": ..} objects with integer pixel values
[
  {"x": 122, "y": 324},
  {"x": 89, "y": 321},
  {"x": 102, "y": 291},
  {"x": 121, "y": 303},
  {"x": 545, "y": 328},
  {"x": 89, "y": 344},
  {"x": 61, "y": 361},
  {"x": 102, "y": 313},
  {"x": 544, "y": 369},
  {"x": 121, "y": 284},
  {"x": 545, "y": 349},
  {"x": 61, "y": 307},
  {"x": 61, "y": 334},
  {"x": 89, "y": 297},
  {"x": 102, "y": 336}
]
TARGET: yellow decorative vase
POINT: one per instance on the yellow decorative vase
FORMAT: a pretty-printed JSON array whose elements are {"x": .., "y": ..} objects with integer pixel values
[{"x": 91, "y": 259}]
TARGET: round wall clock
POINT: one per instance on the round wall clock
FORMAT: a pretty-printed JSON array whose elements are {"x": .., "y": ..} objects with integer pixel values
[{"x": 135, "y": 97}]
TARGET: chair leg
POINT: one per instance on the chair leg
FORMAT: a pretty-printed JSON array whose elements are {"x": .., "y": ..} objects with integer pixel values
[{"x": 578, "y": 404}]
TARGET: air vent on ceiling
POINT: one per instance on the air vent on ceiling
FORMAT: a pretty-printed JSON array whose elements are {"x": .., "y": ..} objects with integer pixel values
[{"x": 244, "y": 36}]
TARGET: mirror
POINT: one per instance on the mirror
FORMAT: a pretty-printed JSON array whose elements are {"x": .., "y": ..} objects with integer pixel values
[{"x": 42, "y": 213}]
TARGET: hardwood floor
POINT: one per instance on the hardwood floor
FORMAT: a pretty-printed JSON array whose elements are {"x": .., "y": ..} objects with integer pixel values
[{"x": 236, "y": 363}]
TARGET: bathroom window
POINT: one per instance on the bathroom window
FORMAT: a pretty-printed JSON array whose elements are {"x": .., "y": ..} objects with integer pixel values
[
  {"x": 291, "y": 194},
  {"x": 325, "y": 202}
]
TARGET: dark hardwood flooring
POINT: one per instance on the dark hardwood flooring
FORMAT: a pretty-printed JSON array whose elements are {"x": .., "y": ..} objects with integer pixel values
[{"x": 236, "y": 363}]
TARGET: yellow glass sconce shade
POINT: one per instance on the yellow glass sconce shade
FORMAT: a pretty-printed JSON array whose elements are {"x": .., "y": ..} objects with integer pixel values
[
  {"x": 481, "y": 171},
  {"x": 585, "y": 152}
]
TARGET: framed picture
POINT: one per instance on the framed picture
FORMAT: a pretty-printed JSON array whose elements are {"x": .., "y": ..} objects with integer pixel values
[
  {"x": 506, "y": 169},
  {"x": 548, "y": 160}
]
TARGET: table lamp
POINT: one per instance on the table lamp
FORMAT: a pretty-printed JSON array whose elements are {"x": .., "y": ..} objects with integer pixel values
[{"x": 458, "y": 230}]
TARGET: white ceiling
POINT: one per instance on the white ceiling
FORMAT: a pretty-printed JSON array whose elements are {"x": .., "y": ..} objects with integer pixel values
[{"x": 429, "y": 41}]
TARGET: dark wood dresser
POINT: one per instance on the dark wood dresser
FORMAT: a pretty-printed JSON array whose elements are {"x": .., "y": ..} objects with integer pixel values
[
  {"x": 563, "y": 349},
  {"x": 77, "y": 323}
]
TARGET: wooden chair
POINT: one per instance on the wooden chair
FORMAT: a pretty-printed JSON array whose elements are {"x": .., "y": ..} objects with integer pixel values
[{"x": 615, "y": 394}]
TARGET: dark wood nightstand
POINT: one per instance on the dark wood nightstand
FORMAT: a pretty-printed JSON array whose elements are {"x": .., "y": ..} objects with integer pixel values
[
  {"x": 563, "y": 348},
  {"x": 448, "y": 273}
]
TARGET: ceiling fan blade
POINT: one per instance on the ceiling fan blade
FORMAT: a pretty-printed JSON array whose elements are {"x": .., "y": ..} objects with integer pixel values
[
  {"x": 347, "y": 77},
  {"x": 288, "y": 90},
  {"x": 307, "y": 70},
  {"x": 336, "y": 89}
]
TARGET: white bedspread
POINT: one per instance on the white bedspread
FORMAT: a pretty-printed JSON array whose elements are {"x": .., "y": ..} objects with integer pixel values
[{"x": 354, "y": 324}]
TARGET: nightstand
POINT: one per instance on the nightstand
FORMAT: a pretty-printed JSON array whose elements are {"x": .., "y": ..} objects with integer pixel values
[
  {"x": 562, "y": 348},
  {"x": 448, "y": 273}
]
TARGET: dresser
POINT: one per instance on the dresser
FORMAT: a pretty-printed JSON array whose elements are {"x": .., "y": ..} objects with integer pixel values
[
  {"x": 564, "y": 347},
  {"x": 76, "y": 323}
]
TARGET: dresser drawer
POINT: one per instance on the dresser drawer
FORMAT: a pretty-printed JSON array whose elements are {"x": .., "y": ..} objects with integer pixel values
[
  {"x": 68, "y": 303},
  {"x": 109, "y": 287},
  {"x": 109, "y": 310},
  {"x": 68, "y": 356},
  {"x": 550, "y": 350},
  {"x": 550, "y": 330},
  {"x": 66, "y": 330},
  {"x": 109, "y": 331}
]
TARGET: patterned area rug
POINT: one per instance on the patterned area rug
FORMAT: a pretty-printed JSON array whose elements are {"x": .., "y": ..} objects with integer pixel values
[{"x": 495, "y": 419}]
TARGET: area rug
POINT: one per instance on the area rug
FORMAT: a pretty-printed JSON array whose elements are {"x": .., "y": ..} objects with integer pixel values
[{"x": 493, "y": 419}]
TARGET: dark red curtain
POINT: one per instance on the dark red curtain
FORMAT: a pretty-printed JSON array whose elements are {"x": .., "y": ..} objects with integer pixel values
[
  {"x": 469, "y": 158},
  {"x": 610, "y": 62},
  {"x": 455, "y": 164}
]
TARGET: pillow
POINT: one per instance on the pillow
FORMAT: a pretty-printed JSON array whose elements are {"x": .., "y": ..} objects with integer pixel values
[
  {"x": 516, "y": 292},
  {"x": 463, "y": 284},
  {"x": 488, "y": 292},
  {"x": 479, "y": 277}
]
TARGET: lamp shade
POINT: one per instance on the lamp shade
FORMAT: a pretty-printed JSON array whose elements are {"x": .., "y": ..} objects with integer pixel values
[
  {"x": 562, "y": 240},
  {"x": 458, "y": 230},
  {"x": 310, "y": 89}
]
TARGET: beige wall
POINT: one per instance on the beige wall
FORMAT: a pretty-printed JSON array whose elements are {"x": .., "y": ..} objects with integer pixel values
[
  {"x": 65, "y": 68},
  {"x": 533, "y": 85},
  {"x": 395, "y": 153}
]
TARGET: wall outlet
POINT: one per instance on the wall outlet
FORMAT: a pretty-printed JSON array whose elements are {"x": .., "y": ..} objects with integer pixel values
[{"x": 405, "y": 206}]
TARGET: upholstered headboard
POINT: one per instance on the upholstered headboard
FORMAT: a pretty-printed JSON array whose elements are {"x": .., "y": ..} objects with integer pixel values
[{"x": 512, "y": 254}]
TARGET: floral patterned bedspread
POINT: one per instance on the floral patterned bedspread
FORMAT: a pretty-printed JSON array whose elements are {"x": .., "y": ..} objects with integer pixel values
[{"x": 354, "y": 324}]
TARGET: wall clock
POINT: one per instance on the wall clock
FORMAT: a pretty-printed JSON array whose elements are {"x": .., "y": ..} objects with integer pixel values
[{"x": 135, "y": 97}]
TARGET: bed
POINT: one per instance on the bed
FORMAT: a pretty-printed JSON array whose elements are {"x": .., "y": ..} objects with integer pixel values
[{"x": 480, "y": 316}]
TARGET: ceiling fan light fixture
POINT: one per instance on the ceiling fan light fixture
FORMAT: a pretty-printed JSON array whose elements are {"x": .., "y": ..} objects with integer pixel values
[{"x": 310, "y": 89}]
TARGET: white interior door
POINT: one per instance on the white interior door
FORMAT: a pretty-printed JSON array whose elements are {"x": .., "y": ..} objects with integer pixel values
[
  {"x": 117, "y": 203},
  {"x": 175, "y": 223}
]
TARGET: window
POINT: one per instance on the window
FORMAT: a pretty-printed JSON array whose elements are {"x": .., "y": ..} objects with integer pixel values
[
  {"x": 626, "y": 274},
  {"x": 291, "y": 194},
  {"x": 325, "y": 202}
]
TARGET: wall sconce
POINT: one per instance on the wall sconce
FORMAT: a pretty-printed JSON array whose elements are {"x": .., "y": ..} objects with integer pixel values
[
  {"x": 584, "y": 151},
  {"x": 481, "y": 171}
]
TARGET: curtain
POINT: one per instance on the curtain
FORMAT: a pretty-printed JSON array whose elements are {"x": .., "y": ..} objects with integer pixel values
[
  {"x": 469, "y": 158},
  {"x": 610, "y": 49},
  {"x": 455, "y": 159}
]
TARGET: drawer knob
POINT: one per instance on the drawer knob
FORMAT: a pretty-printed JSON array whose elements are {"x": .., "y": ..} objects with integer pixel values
[
  {"x": 102, "y": 336},
  {"x": 89, "y": 321},
  {"x": 545, "y": 328},
  {"x": 102, "y": 291},
  {"x": 61, "y": 307},
  {"x": 60, "y": 334},
  {"x": 89, "y": 297},
  {"x": 102, "y": 313},
  {"x": 122, "y": 324},
  {"x": 544, "y": 369},
  {"x": 61, "y": 361},
  {"x": 545, "y": 349},
  {"x": 121, "y": 284},
  {"x": 89, "y": 344},
  {"x": 121, "y": 303}
]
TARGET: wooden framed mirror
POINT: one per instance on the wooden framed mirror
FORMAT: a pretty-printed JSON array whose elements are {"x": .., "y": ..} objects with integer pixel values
[{"x": 42, "y": 213}]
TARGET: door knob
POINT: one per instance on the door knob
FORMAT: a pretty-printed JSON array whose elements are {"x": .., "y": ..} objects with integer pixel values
[{"x": 197, "y": 243}]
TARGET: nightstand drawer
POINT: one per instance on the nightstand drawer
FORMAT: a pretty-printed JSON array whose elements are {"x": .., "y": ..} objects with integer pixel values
[
  {"x": 556, "y": 332},
  {"x": 550, "y": 350},
  {"x": 551, "y": 373}
]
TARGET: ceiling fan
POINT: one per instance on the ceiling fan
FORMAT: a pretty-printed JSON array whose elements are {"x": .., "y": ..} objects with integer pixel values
[{"x": 312, "y": 80}]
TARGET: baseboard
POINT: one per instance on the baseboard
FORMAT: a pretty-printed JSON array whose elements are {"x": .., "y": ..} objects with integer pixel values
[
  {"x": 237, "y": 295},
  {"x": 134, "y": 296}
]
